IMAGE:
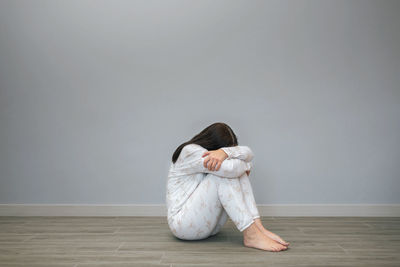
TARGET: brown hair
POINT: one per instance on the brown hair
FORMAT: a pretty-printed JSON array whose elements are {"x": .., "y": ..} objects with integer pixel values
[{"x": 213, "y": 137}]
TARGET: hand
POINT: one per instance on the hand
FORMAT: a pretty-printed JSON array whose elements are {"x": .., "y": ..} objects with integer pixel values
[{"x": 214, "y": 160}]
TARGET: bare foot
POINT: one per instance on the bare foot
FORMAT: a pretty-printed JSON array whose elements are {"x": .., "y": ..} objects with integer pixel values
[
  {"x": 271, "y": 235},
  {"x": 254, "y": 238}
]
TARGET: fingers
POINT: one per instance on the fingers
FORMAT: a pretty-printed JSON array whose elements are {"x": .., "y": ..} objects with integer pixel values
[
  {"x": 212, "y": 164},
  {"x": 206, "y": 162},
  {"x": 215, "y": 162},
  {"x": 218, "y": 165}
]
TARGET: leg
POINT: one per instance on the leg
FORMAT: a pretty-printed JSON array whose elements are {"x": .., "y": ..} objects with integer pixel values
[
  {"x": 233, "y": 200},
  {"x": 205, "y": 208},
  {"x": 248, "y": 195},
  {"x": 249, "y": 200},
  {"x": 223, "y": 218},
  {"x": 199, "y": 215},
  {"x": 251, "y": 204}
]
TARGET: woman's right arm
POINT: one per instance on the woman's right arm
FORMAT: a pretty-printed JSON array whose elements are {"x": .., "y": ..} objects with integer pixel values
[{"x": 193, "y": 162}]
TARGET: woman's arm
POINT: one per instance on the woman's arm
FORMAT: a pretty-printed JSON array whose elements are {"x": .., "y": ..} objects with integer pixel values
[
  {"x": 239, "y": 152},
  {"x": 193, "y": 162}
]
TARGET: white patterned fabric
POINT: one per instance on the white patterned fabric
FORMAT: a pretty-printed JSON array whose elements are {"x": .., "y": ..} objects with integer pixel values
[{"x": 199, "y": 201}]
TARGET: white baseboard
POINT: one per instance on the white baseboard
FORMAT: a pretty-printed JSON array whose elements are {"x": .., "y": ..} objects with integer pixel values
[{"x": 364, "y": 210}]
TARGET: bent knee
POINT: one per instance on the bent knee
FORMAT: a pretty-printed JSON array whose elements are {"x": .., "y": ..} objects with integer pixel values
[
  {"x": 215, "y": 178},
  {"x": 210, "y": 176},
  {"x": 211, "y": 179}
]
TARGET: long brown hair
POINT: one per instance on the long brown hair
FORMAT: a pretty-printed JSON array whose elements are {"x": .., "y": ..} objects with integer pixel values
[{"x": 213, "y": 137}]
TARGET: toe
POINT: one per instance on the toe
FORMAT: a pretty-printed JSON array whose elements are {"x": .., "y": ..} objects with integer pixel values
[{"x": 284, "y": 243}]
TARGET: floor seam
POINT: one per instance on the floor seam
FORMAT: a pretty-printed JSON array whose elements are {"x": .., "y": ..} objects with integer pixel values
[
  {"x": 345, "y": 251},
  {"x": 120, "y": 245},
  {"x": 163, "y": 254}
]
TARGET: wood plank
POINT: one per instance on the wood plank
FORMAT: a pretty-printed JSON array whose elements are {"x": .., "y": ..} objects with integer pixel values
[{"x": 147, "y": 241}]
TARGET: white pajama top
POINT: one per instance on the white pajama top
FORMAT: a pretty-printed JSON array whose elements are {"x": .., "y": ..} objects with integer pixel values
[{"x": 188, "y": 171}]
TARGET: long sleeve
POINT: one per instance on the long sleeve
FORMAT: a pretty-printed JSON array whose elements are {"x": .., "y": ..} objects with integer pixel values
[
  {"x": 192, "y": 162},
  {"x": 239, "y": 152}
]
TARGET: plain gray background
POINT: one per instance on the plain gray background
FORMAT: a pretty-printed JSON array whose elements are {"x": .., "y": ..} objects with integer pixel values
[{"x": 96, "y": 95}]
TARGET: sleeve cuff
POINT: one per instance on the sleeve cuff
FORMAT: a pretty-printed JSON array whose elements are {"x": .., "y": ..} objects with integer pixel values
[{"x": 227, "y": 151}]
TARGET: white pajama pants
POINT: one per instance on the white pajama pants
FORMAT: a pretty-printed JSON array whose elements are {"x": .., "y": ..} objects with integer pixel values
[{"x": 208, "y": 207}]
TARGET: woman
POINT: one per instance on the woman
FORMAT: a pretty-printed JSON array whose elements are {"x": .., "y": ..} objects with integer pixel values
[{"x": 208, "y": 181}]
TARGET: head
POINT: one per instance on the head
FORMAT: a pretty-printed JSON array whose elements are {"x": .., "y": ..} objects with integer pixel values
[{"x": 213, "y": 137}]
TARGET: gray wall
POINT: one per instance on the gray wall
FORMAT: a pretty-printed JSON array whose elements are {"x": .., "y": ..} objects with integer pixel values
[{"x": 96, "y": 95}]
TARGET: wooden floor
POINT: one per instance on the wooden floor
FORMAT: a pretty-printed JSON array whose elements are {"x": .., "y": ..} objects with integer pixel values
[{"x": 147, "y": 241}]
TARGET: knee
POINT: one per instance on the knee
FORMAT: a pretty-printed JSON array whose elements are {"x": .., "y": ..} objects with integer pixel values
[
  {"x": 218, "y": 180},
  {"x": 215, "y": 178},
  {"x": 215, "y": 181},
  {"x": 211, "y": 178}
]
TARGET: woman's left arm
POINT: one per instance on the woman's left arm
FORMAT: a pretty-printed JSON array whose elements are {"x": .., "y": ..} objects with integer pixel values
[{"x": 239, "y": 152}]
